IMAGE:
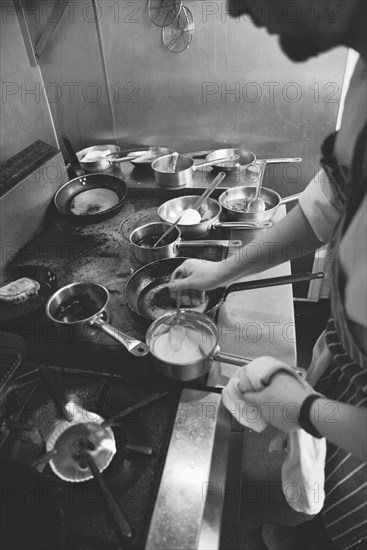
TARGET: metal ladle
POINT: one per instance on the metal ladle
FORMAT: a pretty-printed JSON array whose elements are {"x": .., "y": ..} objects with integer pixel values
[
  {"x": 257, "y": 204},
  {"x": 177, "y": 332}
]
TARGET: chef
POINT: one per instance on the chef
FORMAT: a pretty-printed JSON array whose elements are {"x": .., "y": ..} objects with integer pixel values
[{"x": 333, "y": 208}]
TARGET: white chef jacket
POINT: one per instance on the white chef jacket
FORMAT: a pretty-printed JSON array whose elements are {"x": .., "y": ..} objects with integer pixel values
[{"x": 319, "y": 204}]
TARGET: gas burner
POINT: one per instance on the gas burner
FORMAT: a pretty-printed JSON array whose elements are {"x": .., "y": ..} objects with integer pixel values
[{"x": 70, "y": 439}]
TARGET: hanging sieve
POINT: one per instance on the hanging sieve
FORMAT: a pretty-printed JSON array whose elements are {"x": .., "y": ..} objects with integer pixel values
[
  {"x": 164, "y": 12},
  {"x": 178, "y": 34}
]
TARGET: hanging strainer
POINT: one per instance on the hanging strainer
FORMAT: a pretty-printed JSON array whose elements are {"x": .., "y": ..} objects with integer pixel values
[
  {"x": 164, "y": 12},
  {"x": 177, "y": 35}
]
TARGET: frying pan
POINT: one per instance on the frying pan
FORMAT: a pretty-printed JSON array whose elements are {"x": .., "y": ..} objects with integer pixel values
[
  {"x": 99, "y": 164},
  {"x": 89, "y": 198},
  {"x": 246, "y": 159},
  {"x": 147, "y": 294},
  {"x": 31, "y": 516},
  {"x": 271, "y": 198}
]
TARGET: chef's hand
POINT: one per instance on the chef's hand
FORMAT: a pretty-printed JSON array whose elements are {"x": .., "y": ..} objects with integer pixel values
[
  {"x": 191, "y": 278},
  {"x": 279, "y": 403}
]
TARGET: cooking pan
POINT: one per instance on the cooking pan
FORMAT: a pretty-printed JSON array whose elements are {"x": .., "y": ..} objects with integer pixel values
[
  {"x": 143, "y": 239},
  {"x": 147, "y": 294},
  {"x": 184, "y": 171},
  {"x": 245, "y": 160},
  {"x": 210, "y": 212},
  {"x": 243, "y": 194},
  {"x": 31, "y": 516},
  {"x": 203, "y": 337},
  {"x": 98, "y": 164},
  {"x": 89, "y": 198},
  {"x": 79, "y": 309}
]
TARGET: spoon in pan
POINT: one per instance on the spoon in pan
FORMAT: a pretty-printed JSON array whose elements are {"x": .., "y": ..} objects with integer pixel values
[
  {"x": 257, "y": 204},
  {"x": 220, "y": 177}
]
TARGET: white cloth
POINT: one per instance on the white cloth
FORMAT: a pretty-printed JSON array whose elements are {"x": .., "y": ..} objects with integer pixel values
[{"x": 304, "y": 465}]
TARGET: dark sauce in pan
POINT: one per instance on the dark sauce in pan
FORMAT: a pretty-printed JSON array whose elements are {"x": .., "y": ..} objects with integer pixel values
[
  {"x": 240, "y": 205},
  {"x": 76, "y": 309}
]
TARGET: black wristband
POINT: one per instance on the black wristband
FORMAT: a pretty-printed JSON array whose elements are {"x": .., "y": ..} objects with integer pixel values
[{"x": 304, "y": 415}]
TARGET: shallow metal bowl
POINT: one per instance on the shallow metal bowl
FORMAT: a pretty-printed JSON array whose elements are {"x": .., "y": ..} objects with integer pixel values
[{"x": 210, "y": 211}]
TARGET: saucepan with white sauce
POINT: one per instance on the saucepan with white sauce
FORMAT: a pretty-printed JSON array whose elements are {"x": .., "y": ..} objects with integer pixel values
[{"x": 198, "y": 350}]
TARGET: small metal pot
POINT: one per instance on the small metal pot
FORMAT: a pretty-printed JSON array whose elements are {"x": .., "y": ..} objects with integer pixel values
[
  {"x": 271, "y": 198},
  {"x": 79, "y": 309},
  {"x": 210, "y": 212},
  {"x": 100, "y": 164},
  {"x": 143, "y": 239},
  {"x": 245, "y": 160},
  {"x": 184, "y": 173},
  {"x": 210, "y": 350}
]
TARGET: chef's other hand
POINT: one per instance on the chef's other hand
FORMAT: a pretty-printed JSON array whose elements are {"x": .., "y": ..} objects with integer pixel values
[
  {"x": 191, "y": 278},
  {"x": 279, "y": 403}
]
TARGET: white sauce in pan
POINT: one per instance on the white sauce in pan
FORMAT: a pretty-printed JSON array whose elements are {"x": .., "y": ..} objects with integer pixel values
[{"x": 195, "y": 346}]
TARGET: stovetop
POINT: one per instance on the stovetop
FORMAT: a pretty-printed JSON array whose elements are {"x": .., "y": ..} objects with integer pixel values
[{"x": 133, "y": 476}]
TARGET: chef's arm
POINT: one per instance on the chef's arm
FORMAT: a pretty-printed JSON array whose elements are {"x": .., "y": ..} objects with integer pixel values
[
  {"x": 280, "y": 404},
  {"x": 289, "y": 239},
  {"x": 341, "y": 424}
]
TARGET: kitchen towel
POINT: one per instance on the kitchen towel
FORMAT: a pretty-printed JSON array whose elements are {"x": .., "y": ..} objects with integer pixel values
[{"x": 303, "y": 474}]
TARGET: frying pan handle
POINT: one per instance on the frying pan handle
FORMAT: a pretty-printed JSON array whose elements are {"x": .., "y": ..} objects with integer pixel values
[
  {"x": 197, "y": 154},
  {"x": 135, "y": 347},
  {"x": 290, "y": 198},
  {"x": 273, "y": 281},
  {"x": 231, "y": 359},
  {"x": 229, "y": 158},
  {"x": 224, "y": 244},
  {"x": 241, "y": 225},
  {"x": 73, "y": 158},
  {"x": 122, "y": 159}
]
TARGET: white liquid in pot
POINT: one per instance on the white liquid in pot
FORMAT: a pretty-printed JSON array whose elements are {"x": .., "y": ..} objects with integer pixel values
[{"x": 195, "y": 346}]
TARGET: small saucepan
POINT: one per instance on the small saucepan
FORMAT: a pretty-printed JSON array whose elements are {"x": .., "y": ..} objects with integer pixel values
[
  {"x": 199, "y": 349},
  {"x": 143, "y": 239},
  {"x": 79, "y": 309},
  {"x": 210, "y": 212},
  {"x": 245, "y": 160},
  {"x": 98, "y": 158},
  {"x": 184, "y": 170},
  {"x": 233, "y": 202}
]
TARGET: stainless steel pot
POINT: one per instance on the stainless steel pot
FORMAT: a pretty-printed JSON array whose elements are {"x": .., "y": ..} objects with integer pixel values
[
  {"x": 245, "y": 160},
  {"x": 209, "y": 350},
  {"x": 99, "y": 164},
  {"x": 210, "y": 212},
  {"x": 245, "y": 193},
  {"x": 184, "y": 171},
  {"x": 79, "y": 310},
  {"x": 143, "y": 239}
]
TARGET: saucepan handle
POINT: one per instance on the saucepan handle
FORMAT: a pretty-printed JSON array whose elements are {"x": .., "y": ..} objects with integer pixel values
[
  {"x": 231, "y": 359},
  {"x": 291, "y": 198},
  {"x": 224, "y": 244},
  {"x": 136, "y": 347},
  {"x": 241, "y": 225},
  {"x": 273, "y": 281},
  {"x": 280, "y": 161}
]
